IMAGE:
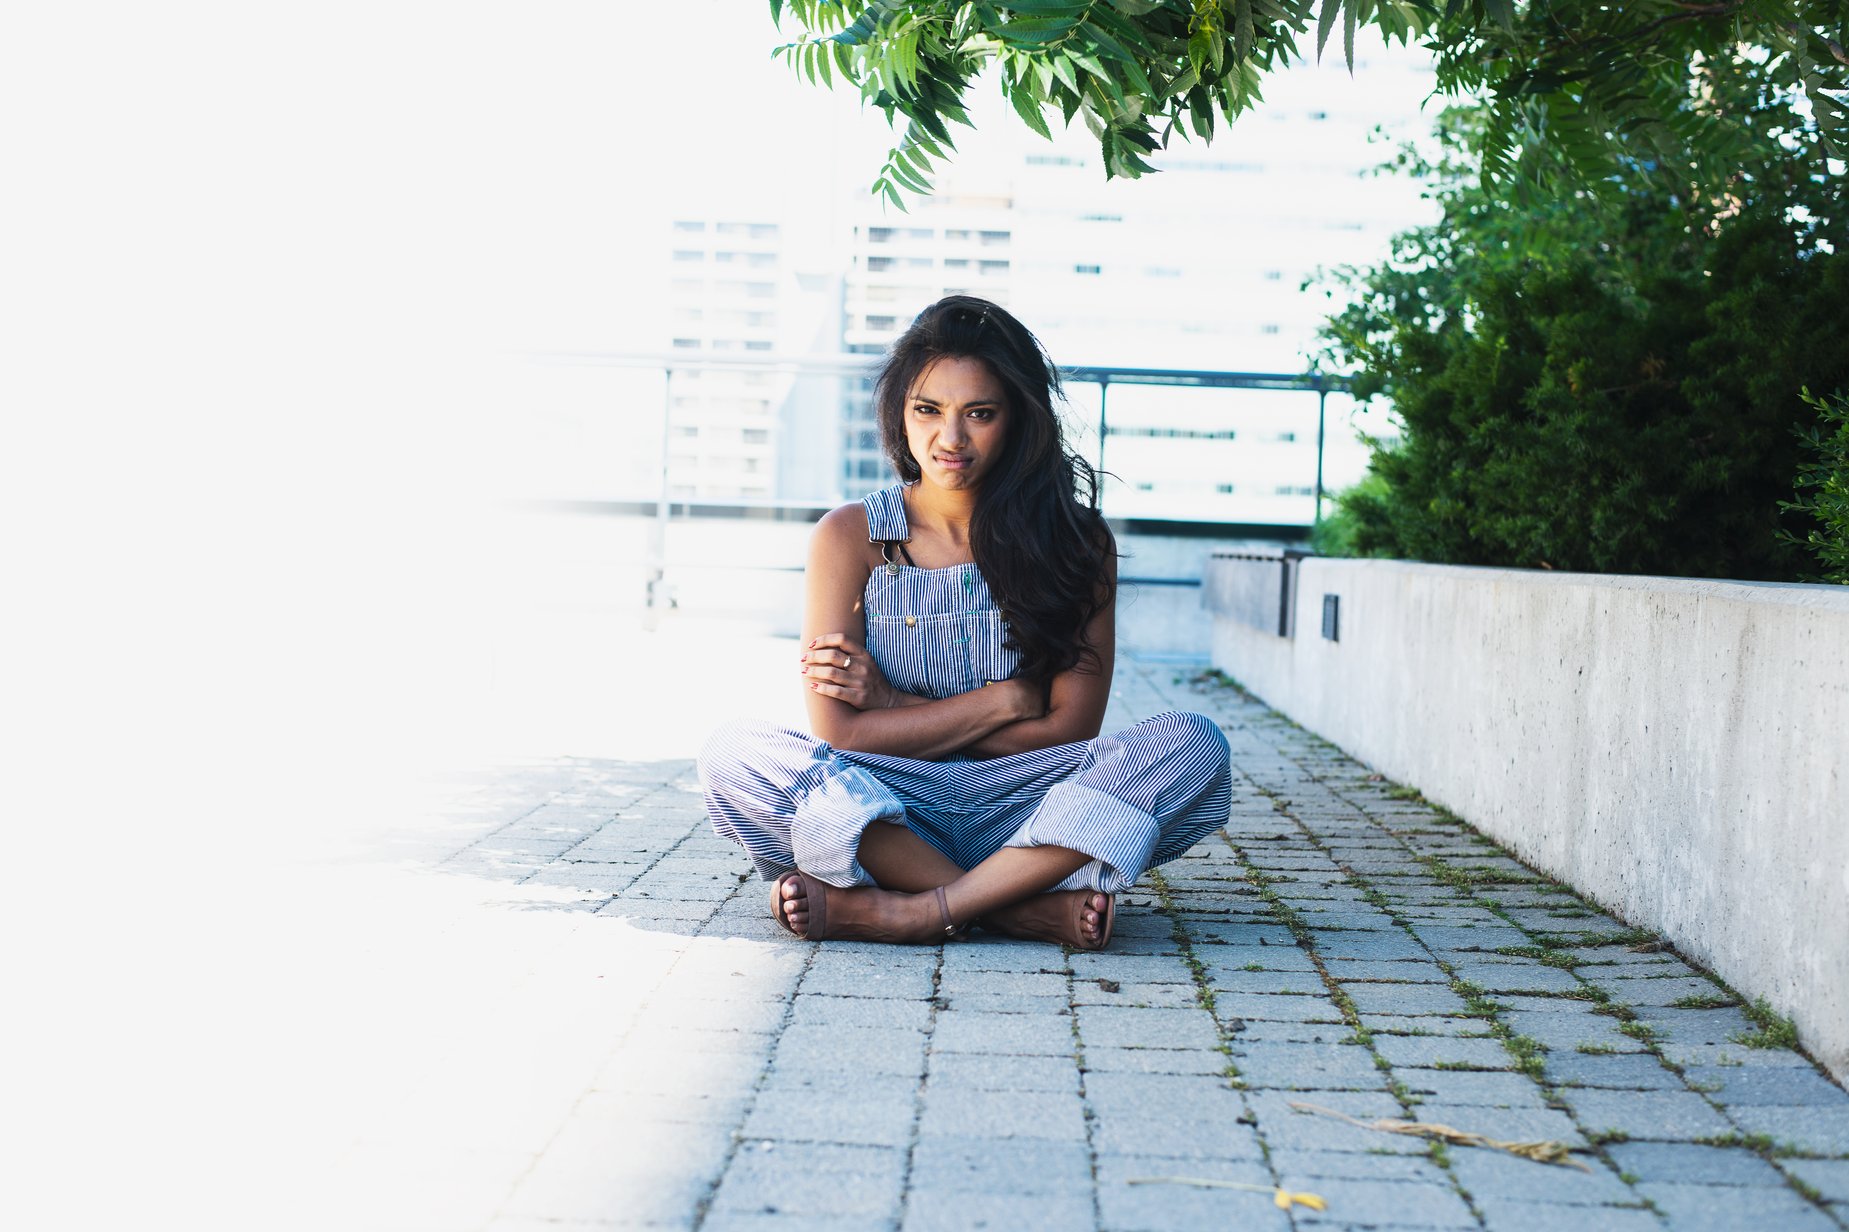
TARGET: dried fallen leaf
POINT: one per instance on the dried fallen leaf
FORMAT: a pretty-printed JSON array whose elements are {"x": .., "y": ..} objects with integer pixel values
[
  {"x": 1284, "y": 1198},
  {"x": 1541, "y": 1152},
  {"x": 1105, "y": 985}
]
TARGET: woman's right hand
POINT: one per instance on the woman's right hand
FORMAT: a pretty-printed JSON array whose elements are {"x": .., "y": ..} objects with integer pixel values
[{"x": 838, "y": 666}]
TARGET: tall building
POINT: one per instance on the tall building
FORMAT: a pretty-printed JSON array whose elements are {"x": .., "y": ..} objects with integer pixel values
[{"x": 735, "y": 294}]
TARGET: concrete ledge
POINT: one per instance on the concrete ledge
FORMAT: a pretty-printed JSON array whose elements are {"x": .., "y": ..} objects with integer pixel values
[{"x": 1675, "y": 749}]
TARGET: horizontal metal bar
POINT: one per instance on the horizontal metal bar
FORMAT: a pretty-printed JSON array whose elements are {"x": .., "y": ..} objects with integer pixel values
[{"x": 864, "y": 365}]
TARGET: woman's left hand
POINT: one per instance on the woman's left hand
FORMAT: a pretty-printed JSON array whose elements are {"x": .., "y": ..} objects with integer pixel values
[{"x": 836, "y": 665}]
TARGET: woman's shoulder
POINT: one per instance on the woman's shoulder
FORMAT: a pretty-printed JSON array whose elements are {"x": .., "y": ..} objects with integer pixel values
[
  {"x": 842, "y": 531},
  {"x": 844, "y": 520},
  {"x": 857, "y": 521}
]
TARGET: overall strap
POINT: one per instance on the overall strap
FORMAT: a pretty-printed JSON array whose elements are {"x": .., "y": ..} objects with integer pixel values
[{"x": 886, "y": 523}]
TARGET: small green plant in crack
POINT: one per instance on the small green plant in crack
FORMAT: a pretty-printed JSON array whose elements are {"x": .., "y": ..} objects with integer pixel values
[
  {"x": 1775, "y": 1031},
  {"x": 1608, "y": 1137},
  {"x": 1549, "y": 956},
  {"x": 1810, "y": 1192},
  {"x": 1254, "y": 966},
  {"x": 1762, "y": 1143},
  {"x": 1440, "y": 1153},
  {"x": 1594, "y": 939},
  {"x": 1702, "y": 1001},
  {"x": 1214, "y": 678},
  {"x": 1528, "y": 1054},
  {"x": 1597, "y": 1050},
  {"x": 1477, "y": 1002},
  {"x": 1643, "y": 1032},
  {"x": 1401, "y": 792}
]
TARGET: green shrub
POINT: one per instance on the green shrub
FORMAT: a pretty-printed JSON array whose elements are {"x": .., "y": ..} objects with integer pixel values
[
  {"x": 1337, "y": 534},
  {"x": 1823, "y": 489},
  {"x": 1608, "y": 386}
]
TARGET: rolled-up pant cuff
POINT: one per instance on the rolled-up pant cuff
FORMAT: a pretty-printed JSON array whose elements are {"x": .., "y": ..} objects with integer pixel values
[
  {"x": 1117, "y": 836},
  {"x": 830, "y": 819}
]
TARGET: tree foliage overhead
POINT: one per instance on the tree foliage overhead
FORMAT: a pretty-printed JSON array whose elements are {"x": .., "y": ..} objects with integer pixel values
[{"x": 1604, "y": 82}]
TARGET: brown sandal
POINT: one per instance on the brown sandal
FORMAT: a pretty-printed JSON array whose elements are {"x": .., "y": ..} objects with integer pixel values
[
  {"x": 818, "y": 907},
  {"x": 1060, "y": 918}
]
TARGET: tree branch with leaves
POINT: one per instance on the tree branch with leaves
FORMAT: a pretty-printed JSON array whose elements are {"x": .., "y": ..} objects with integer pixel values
[{"x": 1604, "y": 84}]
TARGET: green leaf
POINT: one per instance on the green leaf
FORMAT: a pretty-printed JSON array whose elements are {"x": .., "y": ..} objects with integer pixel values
[
  {"x": 1035, "y": 31},
  {"x": 1126, "y": 32},
  {"x": 1242, "y": 29},
  {"x": 1348, "y": 33},
  {"x": 1502, "y": 12},
  {"x": 1049, "y": 8},
  {"x": 1028, "y": 108},
  {"x": 1325, "y": 23},
  {"x": 1200, "y": 51},
  {"x": 1136, "y": 8}
]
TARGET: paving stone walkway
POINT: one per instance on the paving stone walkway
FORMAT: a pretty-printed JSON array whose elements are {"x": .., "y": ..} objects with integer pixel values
[{"x": 1341, "y": 944}]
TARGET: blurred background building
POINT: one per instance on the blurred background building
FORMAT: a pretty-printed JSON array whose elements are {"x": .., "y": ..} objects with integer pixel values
[{"x": 1201, "y": 268}]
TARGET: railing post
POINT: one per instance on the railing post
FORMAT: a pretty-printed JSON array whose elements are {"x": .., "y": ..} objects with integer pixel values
[
  {"x": 1322, "y": 402},
  {"x": 1104, "y": 393},
  {"x": 657, "y": 596}
]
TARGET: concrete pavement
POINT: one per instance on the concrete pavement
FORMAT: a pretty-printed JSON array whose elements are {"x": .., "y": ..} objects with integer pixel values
[{"x": 1338, "y": 945}]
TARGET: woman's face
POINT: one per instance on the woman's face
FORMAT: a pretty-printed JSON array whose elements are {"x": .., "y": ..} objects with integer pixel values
[{"x": 956, "y": 422}]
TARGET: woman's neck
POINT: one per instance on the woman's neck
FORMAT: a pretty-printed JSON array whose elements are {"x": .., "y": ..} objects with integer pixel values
[{"x": 940, "y": 514}]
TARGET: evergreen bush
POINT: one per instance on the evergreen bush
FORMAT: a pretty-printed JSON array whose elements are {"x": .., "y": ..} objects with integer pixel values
[
  {"x": 1607, "y": 385},
  {"x": 1823, "y": 489}
]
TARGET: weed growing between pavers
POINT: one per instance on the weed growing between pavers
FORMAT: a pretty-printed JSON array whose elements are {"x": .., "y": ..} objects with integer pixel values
[
  {"x": 1597, "y": 939},
  {"x": 1774, "y": 1031},
  {"x": 1550, "y": 956}
]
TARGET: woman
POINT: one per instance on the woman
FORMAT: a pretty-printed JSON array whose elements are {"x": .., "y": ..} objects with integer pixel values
[{"x": 958, "y": 638}]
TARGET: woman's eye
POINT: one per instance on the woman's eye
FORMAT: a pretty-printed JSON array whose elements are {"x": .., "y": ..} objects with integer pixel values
[{"x": 924, "y": 410}]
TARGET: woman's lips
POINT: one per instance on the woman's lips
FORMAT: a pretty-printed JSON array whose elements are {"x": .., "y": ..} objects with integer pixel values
[{"x": 951, "y": 463}]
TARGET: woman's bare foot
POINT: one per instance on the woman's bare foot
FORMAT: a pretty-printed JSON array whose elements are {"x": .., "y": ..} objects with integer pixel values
[
  {"x": 816, "y": 911},
  {"x": 1081, "y": 919}
]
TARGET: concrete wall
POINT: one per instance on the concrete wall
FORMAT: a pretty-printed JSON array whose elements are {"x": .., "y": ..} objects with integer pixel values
[{"x": 1677, "y": 750}]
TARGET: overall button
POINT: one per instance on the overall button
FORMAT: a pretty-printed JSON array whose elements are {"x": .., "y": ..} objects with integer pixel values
[{"x": 910, "y": 621}]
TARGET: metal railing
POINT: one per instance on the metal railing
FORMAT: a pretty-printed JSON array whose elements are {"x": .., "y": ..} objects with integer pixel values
[{"x": 859, "y": 366}]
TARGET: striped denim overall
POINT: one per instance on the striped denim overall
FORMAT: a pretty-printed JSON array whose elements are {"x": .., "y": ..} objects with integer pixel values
[{"x": 1130, "y": 801}]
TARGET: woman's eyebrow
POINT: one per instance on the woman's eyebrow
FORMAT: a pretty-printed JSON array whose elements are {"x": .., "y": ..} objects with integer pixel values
[{"x": 923, "y": 401}]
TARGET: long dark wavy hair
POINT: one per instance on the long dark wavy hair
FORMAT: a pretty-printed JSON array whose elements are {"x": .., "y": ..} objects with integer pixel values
[{"x": 1036, "y": 533}]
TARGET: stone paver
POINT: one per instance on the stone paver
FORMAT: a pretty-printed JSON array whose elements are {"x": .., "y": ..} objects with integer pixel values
[{"x": 1339, "y": 948}]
